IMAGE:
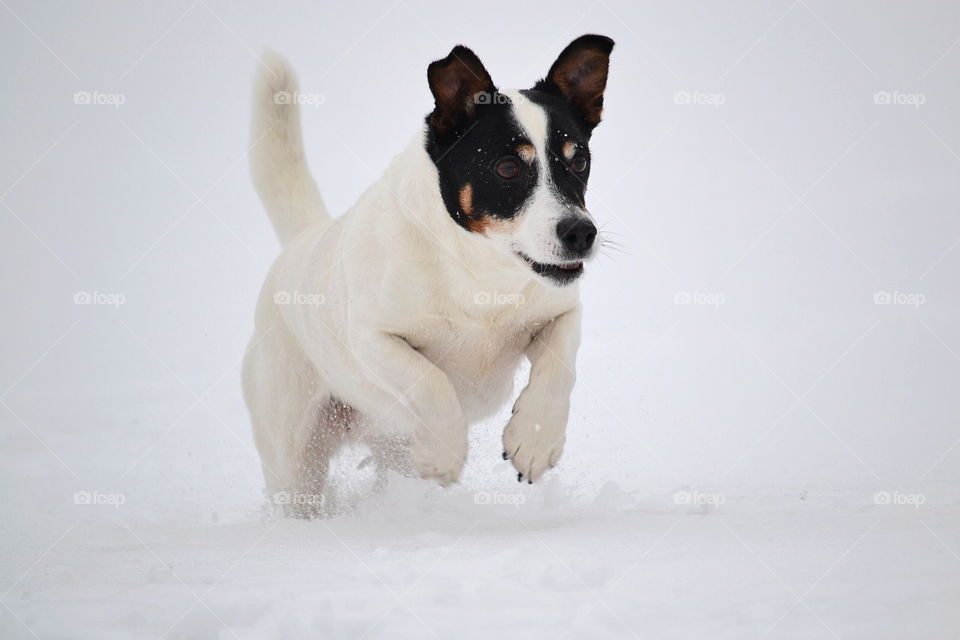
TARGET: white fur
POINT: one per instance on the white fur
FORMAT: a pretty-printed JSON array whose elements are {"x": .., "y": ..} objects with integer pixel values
[
  {"x": 280, "y": 171},
  {"x": 398, "y": 312}
]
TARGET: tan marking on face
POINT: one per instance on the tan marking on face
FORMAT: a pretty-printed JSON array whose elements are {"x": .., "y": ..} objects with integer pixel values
[
  {"x": 478, "y": 224},
  {"x": 466, "y": 199},
  {"x": 527, "y": 152},
  {"x": 569, "y": 148},
  {"x": 487, "y": 224}
]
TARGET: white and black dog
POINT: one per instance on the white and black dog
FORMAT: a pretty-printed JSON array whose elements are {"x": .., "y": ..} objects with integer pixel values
[{"x": 401, "y": 322}]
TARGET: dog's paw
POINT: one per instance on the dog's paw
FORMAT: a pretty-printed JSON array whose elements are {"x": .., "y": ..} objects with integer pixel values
[
  {"x": 439, "y": 456},
  {"x": 534, "y": 437}
]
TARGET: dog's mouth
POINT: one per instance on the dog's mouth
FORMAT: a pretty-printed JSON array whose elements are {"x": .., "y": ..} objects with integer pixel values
[{"x": 560, "y": 273}]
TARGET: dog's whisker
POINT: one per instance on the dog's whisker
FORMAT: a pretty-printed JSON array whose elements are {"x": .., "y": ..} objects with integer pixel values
[
  {"x": 620, "y": 250},
  {"x": 604, "y": 229},
  {"x": 607, "y": 255},
  {"x": 606, "y": 240},
  {"x": 617, "y": 249}
]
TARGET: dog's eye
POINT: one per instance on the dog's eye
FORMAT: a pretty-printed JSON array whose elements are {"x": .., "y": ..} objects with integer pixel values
[
  {"x": 579, "y": 164},
  {"x": 508, "y": 168}
]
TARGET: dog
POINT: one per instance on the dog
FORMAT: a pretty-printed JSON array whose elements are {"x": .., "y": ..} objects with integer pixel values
[{"x": 403, "y": 321}]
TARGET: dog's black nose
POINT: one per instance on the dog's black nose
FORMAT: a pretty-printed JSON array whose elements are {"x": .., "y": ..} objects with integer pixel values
[{"x": 576, "y": 235}]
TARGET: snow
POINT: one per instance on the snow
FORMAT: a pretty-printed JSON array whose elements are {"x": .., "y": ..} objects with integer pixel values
[
  {"x": 188, "y": 549},
  {"x": 418, "y": 561},
  {"x": 762, "y": 443}
]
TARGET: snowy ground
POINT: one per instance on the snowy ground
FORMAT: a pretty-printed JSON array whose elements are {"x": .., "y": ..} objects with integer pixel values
[
  {"x": 764, "y": 439},
  {"x": 191, "y": 551},
  {"x": 420, "y": 562}
]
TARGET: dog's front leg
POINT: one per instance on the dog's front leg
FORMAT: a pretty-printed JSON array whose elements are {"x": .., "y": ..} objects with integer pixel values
[
  {"x": 412, "y": 391},
  {"x": 534, "y": 437}
]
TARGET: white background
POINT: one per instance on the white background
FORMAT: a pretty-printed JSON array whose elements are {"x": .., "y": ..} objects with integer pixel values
[{"x": 784, "y": 192}]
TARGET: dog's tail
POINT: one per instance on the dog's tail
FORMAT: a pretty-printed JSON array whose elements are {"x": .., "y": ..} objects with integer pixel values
[{"x": 279, "y": 167}]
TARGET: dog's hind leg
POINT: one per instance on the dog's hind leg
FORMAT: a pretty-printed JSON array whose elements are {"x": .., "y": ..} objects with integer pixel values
[
  {"x": 332, "y": 423},
  {"x": 295, "y": 429}
]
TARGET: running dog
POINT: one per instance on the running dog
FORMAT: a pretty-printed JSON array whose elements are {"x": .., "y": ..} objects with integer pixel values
[{"x": 402, "y": 322}]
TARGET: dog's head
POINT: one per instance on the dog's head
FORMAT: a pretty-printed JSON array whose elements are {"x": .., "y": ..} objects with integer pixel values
[{"x": 513, "y": 166}]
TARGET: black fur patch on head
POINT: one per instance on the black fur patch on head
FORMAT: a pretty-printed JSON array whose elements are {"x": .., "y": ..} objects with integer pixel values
[
  {"x": 473, "y": 138},
  {"x": 475, "y": 194}
]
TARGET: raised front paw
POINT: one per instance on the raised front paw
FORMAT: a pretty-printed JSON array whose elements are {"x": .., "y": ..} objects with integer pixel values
[
  {"x": 439, "y": 455},
  {"x": 534, "y": 437}
]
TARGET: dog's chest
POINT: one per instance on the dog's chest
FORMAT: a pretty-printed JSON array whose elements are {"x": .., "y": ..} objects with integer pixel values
[{"x": 479, "y": 357}]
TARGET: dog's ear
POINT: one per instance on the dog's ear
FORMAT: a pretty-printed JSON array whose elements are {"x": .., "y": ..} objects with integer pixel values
[
  {"x": 459, "y": 84},
  {"x": 580, "y": 76}
]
